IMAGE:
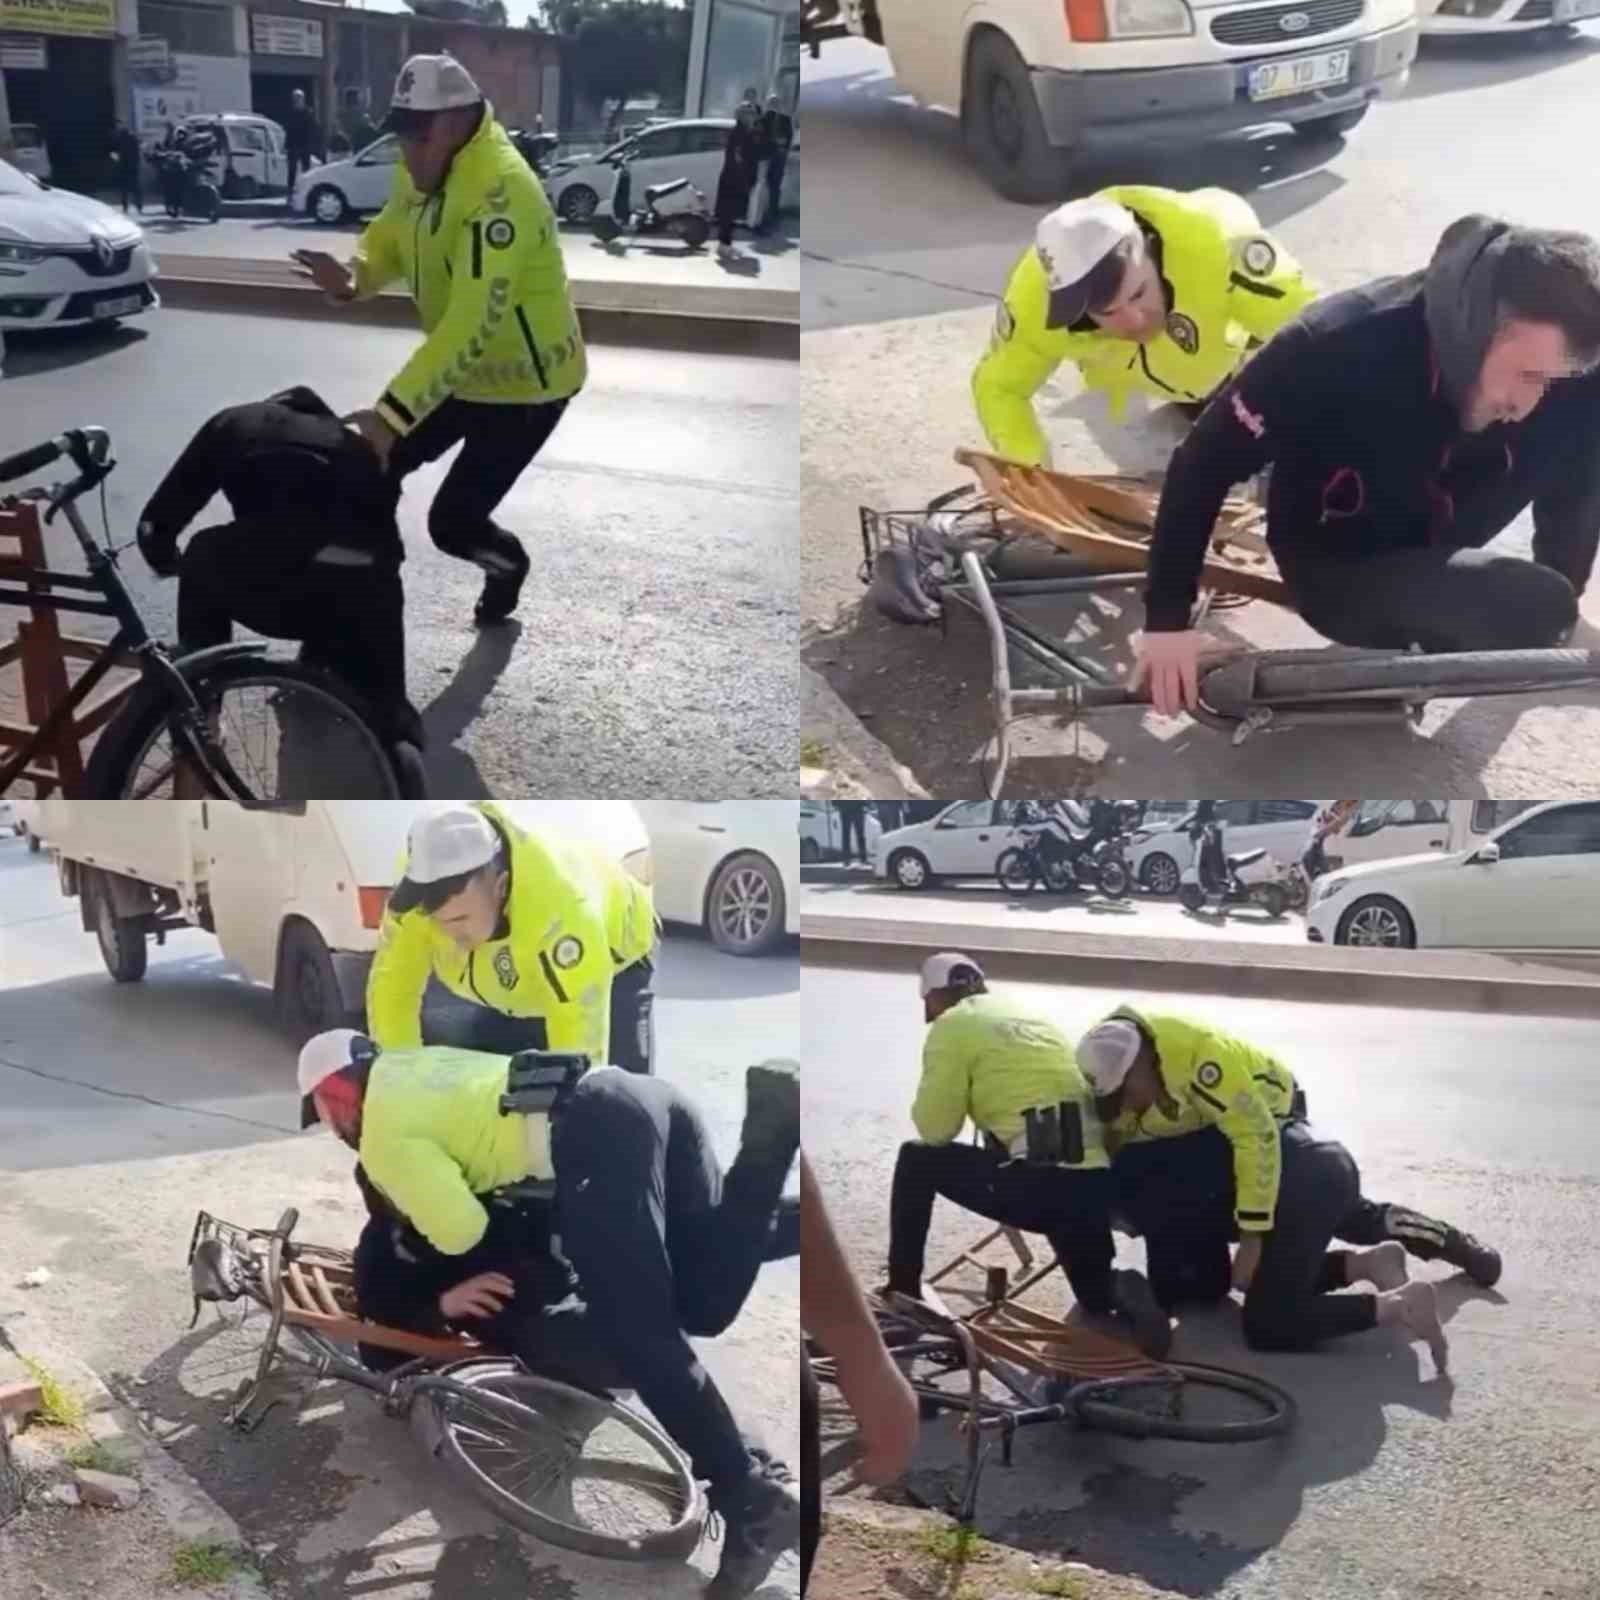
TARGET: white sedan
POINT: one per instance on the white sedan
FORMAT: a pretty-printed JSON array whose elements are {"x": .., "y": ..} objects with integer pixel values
[
  {"x": 66, "y": 259},
  {"x": 356, "y": 186},
  {"x": 965, "y": 840},
  {"x": 1533, "y": 884},
  {"x": 1435, "y": 17},
  {"x": 731, "y": 867}
]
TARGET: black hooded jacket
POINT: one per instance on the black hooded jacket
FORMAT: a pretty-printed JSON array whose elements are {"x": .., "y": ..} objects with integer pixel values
[
  {"x": 289, "y": 466},
  {"x": 1356, "y": 403}
]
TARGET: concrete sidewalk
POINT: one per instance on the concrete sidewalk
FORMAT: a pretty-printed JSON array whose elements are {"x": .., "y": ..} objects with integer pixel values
[{"x": 1548, "y": 984}]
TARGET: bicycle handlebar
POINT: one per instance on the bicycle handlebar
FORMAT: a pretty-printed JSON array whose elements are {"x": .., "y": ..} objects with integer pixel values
[
  {"x": 31, "y": 460},
  {"x": 88, "y": 449}
]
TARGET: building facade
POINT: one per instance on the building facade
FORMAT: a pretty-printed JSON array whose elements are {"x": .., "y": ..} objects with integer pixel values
[{"x": 738, "y": 45}]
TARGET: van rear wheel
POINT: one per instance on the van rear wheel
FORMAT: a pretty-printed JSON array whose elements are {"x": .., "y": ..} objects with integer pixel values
[
  {"x": 1003, "y": 127},
  {"x": 123, "y": 945},
  {"x": 307, "y": 988}
]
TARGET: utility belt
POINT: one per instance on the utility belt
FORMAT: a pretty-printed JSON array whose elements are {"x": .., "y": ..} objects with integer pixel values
[
  {"x": 1051, "y": 1136},
  {"x": 538, "y": 1085}
]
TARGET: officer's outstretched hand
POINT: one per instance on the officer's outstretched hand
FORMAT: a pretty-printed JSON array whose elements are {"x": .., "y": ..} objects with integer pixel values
[{"x": 1170, "y": 664}]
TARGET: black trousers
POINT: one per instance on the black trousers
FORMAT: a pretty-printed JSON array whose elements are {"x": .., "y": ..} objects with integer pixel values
[
  {"x": 499, "y": 443},
  {"x": 1070, "y": 1207},
  {"x": 853, "y": 823},
  {"x": 777, "y": 165},
  {"x": 1442, "y": 600},
  {"x": 733, "y": 201},
  {"x": 468, "y": 1026},
  {"x": 665, "y": 1245},
  {"x": 350, "y": 619},
  {"x": 129, "y": 186},
  {"x": 299, "y": 161},
  {"x": 810, "y": 1468}
]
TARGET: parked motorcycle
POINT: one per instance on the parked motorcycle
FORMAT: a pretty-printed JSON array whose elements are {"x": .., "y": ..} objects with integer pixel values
[
  {"x": 1253, "y": 877},
  {"x": 1062, "y": 857},
  {"x": 184, "y": 171},
  {"x": 689, "y": 220}
]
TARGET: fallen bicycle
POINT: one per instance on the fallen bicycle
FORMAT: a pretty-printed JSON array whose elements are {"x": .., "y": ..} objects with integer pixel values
[{"x": 1022, "y": 535}]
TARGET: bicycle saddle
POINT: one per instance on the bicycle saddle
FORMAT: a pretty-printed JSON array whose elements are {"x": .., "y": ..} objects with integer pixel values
[{"x": 216, "y": 1273}]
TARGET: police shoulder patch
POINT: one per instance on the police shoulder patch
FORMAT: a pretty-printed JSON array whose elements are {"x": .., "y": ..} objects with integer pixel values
[
  {"x": 1258, "y": 257},
  {"x": 567, "y": 953},
  {"x": 1005, "y": 324},
  {"x": 500, "y": 233},
  {"x": 1209, "y": 1075},
  {"x": 1181, "y": 330}
]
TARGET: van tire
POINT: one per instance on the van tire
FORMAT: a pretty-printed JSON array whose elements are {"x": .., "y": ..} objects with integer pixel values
[
  {"x": 1003, "y": 129},
  {"x": 307, "y": 988},
  {"x": 123, "y": 945}
]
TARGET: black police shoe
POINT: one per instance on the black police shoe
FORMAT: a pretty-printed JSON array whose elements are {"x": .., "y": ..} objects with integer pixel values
[
  {"x": 1135, "y": 1302},
  {"x": 501, "y": 591},
  {"x": 761, "y": 1519},
  {"x": 1477, "y": 1260}
]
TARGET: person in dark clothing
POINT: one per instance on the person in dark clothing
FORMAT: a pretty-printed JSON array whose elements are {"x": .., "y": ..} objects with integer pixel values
[
  {"x": 1407, "y": 423},
  {"x": 777, "y": 135},
  {"x": 129, "y": 159},
  {"x": 302, "y": 136},
  {"x": 853, "y": 824},
  {"x": 313, "y": 552},
  {"x": 739, "y": 163}
]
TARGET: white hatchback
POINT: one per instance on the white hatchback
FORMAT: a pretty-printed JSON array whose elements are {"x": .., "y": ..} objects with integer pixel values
[
  {"x": 1533, "y": 884},
  {"x": 965, "y": 840},
  {"x": 356, "y": 186},
  {"x": 67, "y": 259},
  {"x": 1435, "y": 17},
  {"x": 1159, "y": 857}
]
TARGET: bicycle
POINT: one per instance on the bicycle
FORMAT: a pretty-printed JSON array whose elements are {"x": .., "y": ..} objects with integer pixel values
[
  {"x": 573, "y": 1467},
  {"x": 1089, "y": 1379},
  {"x": 221, "y": 723}
]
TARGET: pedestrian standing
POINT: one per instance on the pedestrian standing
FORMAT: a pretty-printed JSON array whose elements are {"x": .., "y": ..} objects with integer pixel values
[
  {"x": 301, "y": 135},
  {"x": 853, "y": 820},
  {"x": 778, "y": 135},
  {"x": 127, "y": 155},
  {"x": 738, "y": 177}
]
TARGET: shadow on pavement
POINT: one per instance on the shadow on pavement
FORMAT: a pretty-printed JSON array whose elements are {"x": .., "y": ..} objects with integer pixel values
[
  {"x": 31, "y": 353},
  {"x": 691, "y": 967},
  {"x": 740, "y": 266},
  {"x": 1447, "y": 65},
  {"x": 451, "y": 772}
]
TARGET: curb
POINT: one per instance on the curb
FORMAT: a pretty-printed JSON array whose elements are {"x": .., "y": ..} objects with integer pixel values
[
  {"x": 1217, "y": 967},
  {"x": 191, "y": 1514},
  {"x": 754, "y": 321}
]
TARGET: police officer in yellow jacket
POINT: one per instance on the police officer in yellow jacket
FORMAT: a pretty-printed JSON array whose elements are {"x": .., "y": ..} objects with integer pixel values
[
  {"x": 1144, "y": 289},
  {"x": 469, "y": 231},
  {"x": 1042, "y": 1166},
  {"x": 549, "y": 940},
  {"x": 1209, "y": 1138}
]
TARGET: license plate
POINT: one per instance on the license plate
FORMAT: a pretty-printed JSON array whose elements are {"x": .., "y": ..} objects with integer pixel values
[
  {"x": 123, "y": 306},
  {"x": 1576, "y": 10},
  {"x": 1272, "y": 80}
]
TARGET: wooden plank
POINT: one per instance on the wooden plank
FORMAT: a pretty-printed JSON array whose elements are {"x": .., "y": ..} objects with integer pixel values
[
  {"x": 1108, "y": 521},
  {"x": 353, "y": 1330},
  {"x": 324, "y": 1294}
]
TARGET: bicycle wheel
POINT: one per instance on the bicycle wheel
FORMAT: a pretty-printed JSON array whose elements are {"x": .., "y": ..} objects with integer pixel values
[
  {"x": 586, "y": 1474},
  {"x": 1109, "y": 1405},
  {"x": 290, "y": 732}
]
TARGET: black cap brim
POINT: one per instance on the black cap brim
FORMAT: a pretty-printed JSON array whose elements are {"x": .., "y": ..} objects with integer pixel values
[
  {"x": 1067, "y": 306},
  {"x": 404, "y": 897},
  {"x": 406, "y": 123},
  {"x": 308, "y": 1111}
]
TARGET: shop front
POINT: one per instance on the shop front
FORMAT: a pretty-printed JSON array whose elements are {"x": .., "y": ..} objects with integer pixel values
[{"x": 57, "y": 64}]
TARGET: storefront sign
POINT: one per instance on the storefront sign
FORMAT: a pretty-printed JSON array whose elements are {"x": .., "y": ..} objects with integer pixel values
[
  {"x": 149, "y": 52},
  {"x": 283, "y": 36},
  {"x": 18, "y": 53},
  {"x": 60, "y": 16}
]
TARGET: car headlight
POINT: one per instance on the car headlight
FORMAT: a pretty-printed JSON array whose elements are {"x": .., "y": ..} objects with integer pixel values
[
  {"x": 20, "y": 255},
  {"x": 1330, "y": 888},
  {"x": 1100, "y": 21}
]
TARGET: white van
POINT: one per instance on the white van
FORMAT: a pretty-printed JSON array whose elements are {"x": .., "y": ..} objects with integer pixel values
[
  {"x": 1380, "y": 830},
  {"x": 256, "y": 160},
  {"x": 1038, "y": 84},
  {"x": 294, "y": 893}
]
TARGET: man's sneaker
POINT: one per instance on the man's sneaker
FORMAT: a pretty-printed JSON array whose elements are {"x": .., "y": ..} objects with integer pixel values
[
  {"x": 501, "y": 591},
  {"x": 761, "y": 1519},
  {"x": 771, "y": 1108},
  {"x": 1478, "y": 1261},
  {"x": 1135, "y": 1302}
]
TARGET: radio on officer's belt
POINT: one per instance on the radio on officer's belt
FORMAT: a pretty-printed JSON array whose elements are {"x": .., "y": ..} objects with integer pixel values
[
  {"x": 1055, "y": 1134},
  {"x": 537, "y": 1079}
]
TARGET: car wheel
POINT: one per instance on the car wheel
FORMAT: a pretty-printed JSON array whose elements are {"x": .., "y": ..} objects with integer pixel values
[
  {"x": 328, "y": 205},
  {"x": 123, "y": 945},
  {"x": 1377, "y": 921},
  {"x": 1159, "y": 873},
  {"x": 1003, "y": 128},
  {"x": 745, "y": 909},
  {"x": 909, "y": 869},
  {"x": 809, "y": 852},
  {"x": 307, "y": 989},
  {"x": 577, "y": 203}
]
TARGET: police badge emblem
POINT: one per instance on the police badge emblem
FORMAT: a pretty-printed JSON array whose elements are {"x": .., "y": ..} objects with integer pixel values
[
  {"x": 505, "y": 969},
  {"x": 1183, "y": 333},
  {"x": 1259, "y": 258},
  {"x": 568, "y": 953},
  {"x": 1210, "y": 1074}
]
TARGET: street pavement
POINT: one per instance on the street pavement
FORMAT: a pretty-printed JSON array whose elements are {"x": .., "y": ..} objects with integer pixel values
[
  {"x": 653, "y": 649},
  {"x": 1396, "y": 1484},
  {"x": 904, "y": 260},
  {"x": 125, "y": 1109}
]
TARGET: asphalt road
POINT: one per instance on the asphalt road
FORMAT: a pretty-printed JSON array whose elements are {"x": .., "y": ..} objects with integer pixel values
[
  {"x": 653, "y": 648},
  {"x": 905, "y": 251},
  {"x": 125, "y": 1109},
  {"x": 1396, "y": 1485}
]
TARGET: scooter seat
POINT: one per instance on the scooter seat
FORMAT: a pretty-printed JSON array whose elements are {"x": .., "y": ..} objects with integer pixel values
[
  {"x": 1247, "y": 858},
  {"x": 659, "y": 191}
]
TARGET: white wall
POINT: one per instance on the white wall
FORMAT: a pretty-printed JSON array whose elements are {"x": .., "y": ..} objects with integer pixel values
[{"x": 204, "y": 83}]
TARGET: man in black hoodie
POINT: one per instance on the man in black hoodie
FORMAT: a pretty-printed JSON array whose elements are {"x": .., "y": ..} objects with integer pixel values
[
  {"x": 1407, "y": 422},
  {"x": 313, "y": 552}
]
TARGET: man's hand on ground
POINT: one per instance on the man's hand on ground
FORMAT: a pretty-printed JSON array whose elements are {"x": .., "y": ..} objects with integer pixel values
[
  {"x": 1246, "y": 1259},
  {"x": 1170, "y": 664},
  {"x": 885, "y": 1409},
  {"x": 330, "y": 276},
  {"x": 484, "y": 1295},
  {"x": 375, "y": 431}
]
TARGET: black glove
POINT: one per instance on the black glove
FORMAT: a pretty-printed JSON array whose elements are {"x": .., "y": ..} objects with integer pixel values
[{"x": 160, "y": 551}]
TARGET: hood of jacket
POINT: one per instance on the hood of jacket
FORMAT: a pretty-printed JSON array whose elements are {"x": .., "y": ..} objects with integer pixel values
[{"x": 1459, "y": 299}]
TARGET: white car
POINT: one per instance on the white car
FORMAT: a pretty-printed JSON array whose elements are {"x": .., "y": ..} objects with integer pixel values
[
  {"x": 822, "y": 831},
  {"x": 29, "y": 153},
  {"x": 731, "y": 867},
  {"x": 965, "y": 840},
  {"x": 356, "y": 186},
  {"x": 1533, "y": 884},
  {"x": 691, "y": 149},
  {"x": 66, "y": 259},
  {"x": 1436, "y": 17},
  {"x": 1159, "y": 857}
]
